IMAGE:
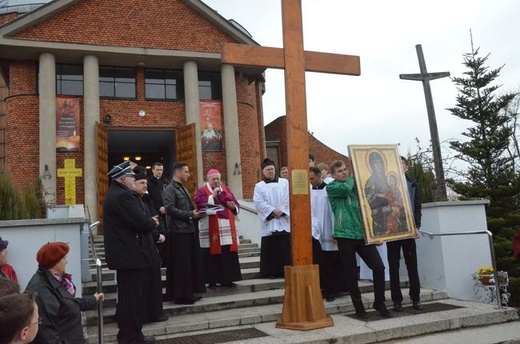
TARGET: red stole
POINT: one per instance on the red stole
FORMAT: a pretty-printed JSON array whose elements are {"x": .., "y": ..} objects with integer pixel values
[{"x": 214, "y": 233}]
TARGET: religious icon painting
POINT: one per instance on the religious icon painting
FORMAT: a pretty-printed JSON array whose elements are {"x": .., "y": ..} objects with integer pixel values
[
  {"x": 211, "y": 125},
  {"x": 383, "y": 193}
]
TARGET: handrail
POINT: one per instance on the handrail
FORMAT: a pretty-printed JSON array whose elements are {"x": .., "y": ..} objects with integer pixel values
[
  {"x": 491, "y": 249},
  {"x": 99, "y": 280}
]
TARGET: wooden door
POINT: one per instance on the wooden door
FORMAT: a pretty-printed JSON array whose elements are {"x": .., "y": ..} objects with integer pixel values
[
  {"x": 102, "y": 170},
  {"x": 186, "y": 151}
]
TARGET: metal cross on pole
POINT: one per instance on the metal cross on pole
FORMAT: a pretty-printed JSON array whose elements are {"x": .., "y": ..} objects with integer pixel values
[
  {"x": 425, "y": 77},
  {"x": 303, "y": 305}
]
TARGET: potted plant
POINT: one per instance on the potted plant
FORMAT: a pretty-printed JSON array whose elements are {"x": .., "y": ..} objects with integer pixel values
[{"x": 485, "y": 275}]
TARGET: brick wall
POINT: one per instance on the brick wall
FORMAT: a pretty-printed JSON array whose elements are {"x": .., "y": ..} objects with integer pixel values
[
  {"x": 248, "y": 134},
  {"x": 276, "y": 130},
  {"x": 149, "y": 24},
  {"x": 131, "y": 23}
]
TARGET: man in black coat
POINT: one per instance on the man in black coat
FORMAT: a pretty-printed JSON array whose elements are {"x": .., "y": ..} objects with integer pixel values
[
  {"x": 409, "y": 251},
  {"x": 184, "y": 267},
  {"x": 127, "y": 236},
  {"x": 156, "y": 185}
]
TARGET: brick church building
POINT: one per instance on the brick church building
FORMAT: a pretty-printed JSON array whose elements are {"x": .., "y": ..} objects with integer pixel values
[{"x": 85, "y": 84}]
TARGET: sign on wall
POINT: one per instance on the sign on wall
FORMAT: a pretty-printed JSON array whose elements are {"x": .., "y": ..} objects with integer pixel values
[
  {"x": 67, "y": 124},
  {"x": 211, "y": 125}
]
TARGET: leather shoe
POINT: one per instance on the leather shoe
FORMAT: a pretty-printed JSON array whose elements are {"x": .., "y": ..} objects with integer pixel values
[
  {"x": 184, "y": 301},
  {"x": 160, "y": 318},
  {"x": 417, "y": 306},
  {"x": 230, "y": 285},
  {"x": 147, "y": 340},
  {"x": 330, "y": 297},
  {"x": 196, "y": 298},
  {"x": 361, "y": 314},
  {"x": 398, "y": 307},
  {"x": 383, "y": 311}
]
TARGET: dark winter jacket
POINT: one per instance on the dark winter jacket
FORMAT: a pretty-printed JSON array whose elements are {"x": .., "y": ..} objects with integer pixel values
[
  {"x": 415, "y": 199},
  {"x": 128, "y": 229},
  {"x": 59, "y": 311},
  {"x": 179, "y": 209}
]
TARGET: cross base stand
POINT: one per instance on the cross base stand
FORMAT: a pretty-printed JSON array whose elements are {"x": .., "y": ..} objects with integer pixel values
[{"x": 303, "y": 307}]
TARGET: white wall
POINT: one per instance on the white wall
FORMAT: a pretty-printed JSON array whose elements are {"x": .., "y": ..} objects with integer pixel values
[
  {"x": 447, "y": 262},
  {"x": 249, "y": 224}
]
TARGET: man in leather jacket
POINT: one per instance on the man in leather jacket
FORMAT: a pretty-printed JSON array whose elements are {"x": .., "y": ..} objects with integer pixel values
[{"x": 184, "y": 266}]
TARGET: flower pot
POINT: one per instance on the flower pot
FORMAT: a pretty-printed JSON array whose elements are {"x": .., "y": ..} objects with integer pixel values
[{"x": 485, "y": 279}]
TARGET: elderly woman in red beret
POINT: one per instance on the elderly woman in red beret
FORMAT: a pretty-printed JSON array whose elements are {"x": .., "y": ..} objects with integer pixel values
[{"x": 59, "y": 308}]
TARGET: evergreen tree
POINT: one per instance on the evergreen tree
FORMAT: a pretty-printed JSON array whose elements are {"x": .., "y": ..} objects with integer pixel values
[{"x": 491, "y": 172}]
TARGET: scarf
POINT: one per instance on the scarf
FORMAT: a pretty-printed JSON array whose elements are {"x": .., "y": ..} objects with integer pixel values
[{"x": 214, "y": 233}]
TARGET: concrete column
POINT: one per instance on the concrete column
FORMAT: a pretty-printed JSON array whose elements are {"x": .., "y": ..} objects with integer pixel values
[
  {"x": 91, "y": 116},
  {"x": 232, "y": 140},
  {"x": 47, "y": 112},
  {"x": 191, "y": 97}
]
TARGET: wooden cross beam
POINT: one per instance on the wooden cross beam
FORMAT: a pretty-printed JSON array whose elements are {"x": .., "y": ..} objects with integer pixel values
[
  {"x": 301, "y": 310},
  {"x": 425, "y": 77}
]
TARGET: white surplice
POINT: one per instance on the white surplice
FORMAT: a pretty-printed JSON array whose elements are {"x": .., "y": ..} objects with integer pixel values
[
  {"x": 322, "y": 220},
  {"x": 268, "y": 197}
]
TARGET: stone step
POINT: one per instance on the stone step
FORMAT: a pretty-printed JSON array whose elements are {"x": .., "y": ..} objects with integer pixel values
[
  {"x": 260, "y": 293},
  {"x": 245, "y": 286},
  {"x": 100, "y": 248},
  {"x": 109, "y": 285},
  {"x": 395, "y": 330},
  {"x": 184, "y": 320},
  {"x": 244, "y": 254},
  {"x": 109, "y": 275}
]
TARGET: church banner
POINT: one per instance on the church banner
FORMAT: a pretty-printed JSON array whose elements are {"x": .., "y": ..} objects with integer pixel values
[
  {"x": 383, "y": 193},
  {"x": 211, "y": 125},
  {"x": 67, "y": 124}
]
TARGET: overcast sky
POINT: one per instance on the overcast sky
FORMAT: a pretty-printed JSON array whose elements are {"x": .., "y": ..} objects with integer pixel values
[{"x": 377, "y": 107}]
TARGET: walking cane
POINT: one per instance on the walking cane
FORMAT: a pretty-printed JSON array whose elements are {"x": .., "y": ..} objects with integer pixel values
[{"x": 99, "y": 287}]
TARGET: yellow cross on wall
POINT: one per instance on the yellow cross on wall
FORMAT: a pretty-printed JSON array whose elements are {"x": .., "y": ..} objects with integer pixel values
[{"x": 70, "y": 172}]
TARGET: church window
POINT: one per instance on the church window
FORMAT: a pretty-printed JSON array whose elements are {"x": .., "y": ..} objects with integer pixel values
[
  {"x": 117, "y": 82},
  {"x": 163, "y": 84},
  {"x": 69, "y": 80},
  {"x": 210, "y": 86}
]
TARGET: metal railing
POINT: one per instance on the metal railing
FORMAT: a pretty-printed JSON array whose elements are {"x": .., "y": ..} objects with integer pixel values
[
  {"x": 99, "y": 280},
  {"x": 491, "y": 249}
]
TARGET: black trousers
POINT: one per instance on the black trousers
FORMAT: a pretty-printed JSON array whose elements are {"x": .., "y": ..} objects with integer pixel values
[
  {"x": 154, "y": 297},
  {"x": 332, "y": 280},
  {"x": 131, "y": 308},
  {"x": 347, "y": 252},
  {"x": 410, "y": 259}
]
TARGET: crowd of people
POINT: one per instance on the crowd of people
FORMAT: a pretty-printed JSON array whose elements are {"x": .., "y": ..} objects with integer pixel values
[
  {"x": 48, "y": 311},
  {"x": 338, "y": 230},
  {"x": 151, "y": 222}
]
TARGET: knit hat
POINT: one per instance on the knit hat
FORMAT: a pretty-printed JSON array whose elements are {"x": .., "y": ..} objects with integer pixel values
[
  {"x": 212, "y": 171},
  {"x": 122, "y": 169},
  {"x": 51, "y": 253},
  {"x": 266, "y": 163},
  {"x": 140, "y": 172},
  {"x": 3, "y": 244}
]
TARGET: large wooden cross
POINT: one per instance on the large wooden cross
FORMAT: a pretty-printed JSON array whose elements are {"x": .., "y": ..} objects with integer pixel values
[
  {"x": 303, "y": 305},
  {"x": 425, "y": 77}
]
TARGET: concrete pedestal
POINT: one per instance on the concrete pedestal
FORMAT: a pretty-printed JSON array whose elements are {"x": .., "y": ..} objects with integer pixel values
[{"x": 448, "y": 262}]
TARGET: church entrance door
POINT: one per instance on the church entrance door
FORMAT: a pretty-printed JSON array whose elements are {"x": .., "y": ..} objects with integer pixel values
[{"x": 143, "y": 146}]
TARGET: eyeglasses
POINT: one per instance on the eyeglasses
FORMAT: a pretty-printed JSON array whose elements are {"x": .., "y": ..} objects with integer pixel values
[{"x": 39, "y": 322}]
